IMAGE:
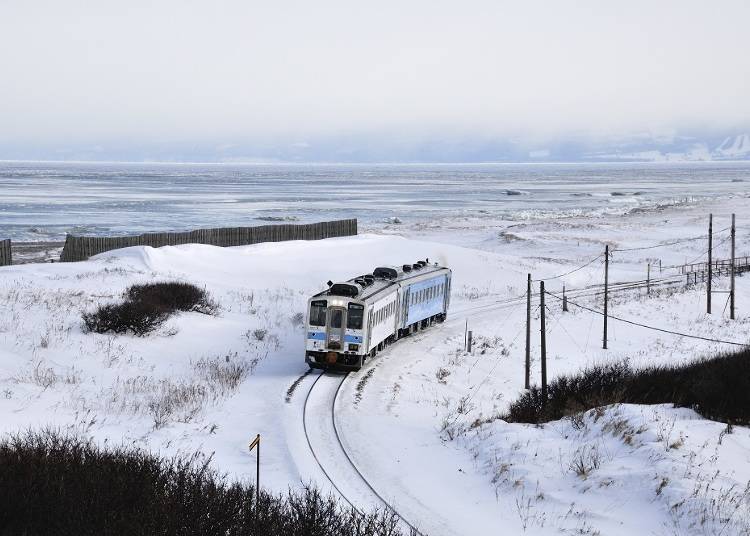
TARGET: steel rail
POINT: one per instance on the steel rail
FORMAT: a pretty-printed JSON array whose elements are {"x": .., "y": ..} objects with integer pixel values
[{"x": 348, "y": 458}]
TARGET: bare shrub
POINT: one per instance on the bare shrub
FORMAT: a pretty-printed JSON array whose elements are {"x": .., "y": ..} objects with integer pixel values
[
  {"x": 44, "y": 377},
  {"x": 718, "y": 388},
  {"x": 297, "y": 319},
  {"x": 179, "y": 401},
  {"x": 442, "y": 374},
  {"x": 223, "y": 375},
  {"x": 147, "y": 306},
  {"x": 61, "y": 484},
  {"x": 173, "y": 296},
  {"x": 136, "y": 317},
  {"x": 260, "y": 334},
  {"x": 586, "y": 459}
]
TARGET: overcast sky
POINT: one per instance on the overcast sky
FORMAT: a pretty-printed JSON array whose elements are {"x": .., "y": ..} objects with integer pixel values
[{"x": 99, "y": 72}]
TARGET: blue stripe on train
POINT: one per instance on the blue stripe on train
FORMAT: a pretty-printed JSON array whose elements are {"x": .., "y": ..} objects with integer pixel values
[{"x": 321, "y": 336}]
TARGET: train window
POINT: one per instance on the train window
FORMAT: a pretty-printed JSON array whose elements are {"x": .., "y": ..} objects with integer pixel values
[
  {"x": 318, "y": 313},
  {"x": 355, "y": 316},
  {"x": 336, "y": 317}
]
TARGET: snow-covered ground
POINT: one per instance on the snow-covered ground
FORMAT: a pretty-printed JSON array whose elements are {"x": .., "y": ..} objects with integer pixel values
[{"x": 420, "y": 421}]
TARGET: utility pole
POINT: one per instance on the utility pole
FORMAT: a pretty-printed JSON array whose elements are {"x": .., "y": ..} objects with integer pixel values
[
  {"x": 648, "y": 279},
  {"x": 543, "y": 331},
  {"x": 565, "y": 301},
  {"x": 710, "y": 261},
  {"x": 731, "y": 274},
  {"x": 528, "y": 332},
  {"x": 606, "y": 291}
]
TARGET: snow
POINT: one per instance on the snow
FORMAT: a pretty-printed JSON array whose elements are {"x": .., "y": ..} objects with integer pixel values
[{"x": 420, "y": 420}]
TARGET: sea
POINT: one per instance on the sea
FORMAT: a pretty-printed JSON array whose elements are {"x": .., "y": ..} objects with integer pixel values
[{"x": 43, "y": 201}]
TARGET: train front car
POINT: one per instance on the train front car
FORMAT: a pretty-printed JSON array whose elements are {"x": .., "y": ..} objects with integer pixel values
[{"x": 335, "y": 334}]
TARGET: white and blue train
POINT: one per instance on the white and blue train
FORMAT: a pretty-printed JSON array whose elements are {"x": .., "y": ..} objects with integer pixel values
[{"x": 353, "y": 320}]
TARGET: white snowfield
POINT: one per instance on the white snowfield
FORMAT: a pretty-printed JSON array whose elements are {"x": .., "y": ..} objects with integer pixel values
[{"x": 420, "y": 420}]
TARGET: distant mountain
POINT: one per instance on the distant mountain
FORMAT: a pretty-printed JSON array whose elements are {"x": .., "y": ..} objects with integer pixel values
[
  {"x": 733, "y": 148},
  {"x": 679, "y": 149},
  {"x": 666, "y": 145}
]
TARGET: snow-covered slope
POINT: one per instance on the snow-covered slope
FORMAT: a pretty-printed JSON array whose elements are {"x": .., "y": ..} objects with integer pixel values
[{"x": 420, "y": 420}]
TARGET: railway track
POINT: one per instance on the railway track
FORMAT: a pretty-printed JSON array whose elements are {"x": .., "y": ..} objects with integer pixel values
[{"x": 334, "y": 469}]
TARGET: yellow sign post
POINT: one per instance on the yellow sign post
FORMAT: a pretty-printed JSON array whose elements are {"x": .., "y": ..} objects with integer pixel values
[{"x": 253, "y": 444}]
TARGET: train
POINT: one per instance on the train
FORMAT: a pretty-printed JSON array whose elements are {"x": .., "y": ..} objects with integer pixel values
[{"x": 352, "y": 321}]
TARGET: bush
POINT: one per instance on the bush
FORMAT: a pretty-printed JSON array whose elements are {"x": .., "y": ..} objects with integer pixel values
[
  {"x": 147, "y": 306},
  {"x": 718, "y": 388},
  {"x": 60, "y": 484},
  {"x": 139, "y": 318},
  {"x": 172, "y": 296}
]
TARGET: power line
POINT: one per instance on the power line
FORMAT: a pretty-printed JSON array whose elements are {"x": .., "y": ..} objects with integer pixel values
[
  {"x": 647, "y": 326},
  {"x": 589, "y": 263},
  {"x": 703, "y": 237},
  {"x": 706, "y": 252}
]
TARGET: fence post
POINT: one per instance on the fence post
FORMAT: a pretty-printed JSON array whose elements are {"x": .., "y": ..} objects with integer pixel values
[{"x": 6, "y": 253}]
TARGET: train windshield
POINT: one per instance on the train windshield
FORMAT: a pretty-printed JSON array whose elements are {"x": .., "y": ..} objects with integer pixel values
[
  {"x": 336, "y": 317},
  {"x": 355, "y": 316},
  {"x": 318, "y": 313}
]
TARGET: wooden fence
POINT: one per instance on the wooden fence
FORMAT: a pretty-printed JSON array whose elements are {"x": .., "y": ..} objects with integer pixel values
[
  {"x": 6, "y": 257},
  {"x": 79, "y": 248}
]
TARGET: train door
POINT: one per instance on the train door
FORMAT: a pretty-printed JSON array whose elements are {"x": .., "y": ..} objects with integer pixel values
[{"x": 336, "y": 327}]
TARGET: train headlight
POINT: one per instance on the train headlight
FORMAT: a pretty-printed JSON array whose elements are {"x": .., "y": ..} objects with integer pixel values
[{"x": 353, "y": 347}]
